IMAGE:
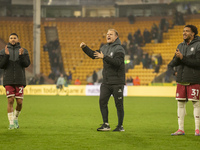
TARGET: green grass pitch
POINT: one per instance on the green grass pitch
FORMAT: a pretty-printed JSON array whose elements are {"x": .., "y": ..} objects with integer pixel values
[{"x": 70, "y": 123}]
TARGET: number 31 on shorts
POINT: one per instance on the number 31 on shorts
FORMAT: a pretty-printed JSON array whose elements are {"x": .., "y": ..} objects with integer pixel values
[{"x": 195, "y": 92}]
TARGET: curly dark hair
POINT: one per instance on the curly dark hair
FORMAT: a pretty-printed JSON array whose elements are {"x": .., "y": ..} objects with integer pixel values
[
  {"x": 14, "y": 34},
  {"x": 193, "y": 28}
]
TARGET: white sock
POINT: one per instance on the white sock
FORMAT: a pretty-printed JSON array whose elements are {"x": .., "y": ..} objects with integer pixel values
[
  {"x": 10, "y": 118},
  {"x": 181, "y": 114},
  {"x": 196, "y": 114},
  {"x": 16, "y": 114}
]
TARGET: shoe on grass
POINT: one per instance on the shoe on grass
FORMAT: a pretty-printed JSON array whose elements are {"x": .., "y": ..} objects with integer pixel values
[
  {"x": 11, "y": 127},
  {"x": 179, "y": 132},
  {"x": 16, "y": 124},
  {"x": 197, "y": 132},
  {"x": 104, "y": 127},
  {"x": 119, "y": 128}
]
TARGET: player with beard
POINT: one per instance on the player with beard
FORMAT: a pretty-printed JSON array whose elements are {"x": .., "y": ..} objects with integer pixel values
[
  {"x": 13, "y": 60},
  {"x": 187, "y": 63},
  {"x": 112, "y": 55}
]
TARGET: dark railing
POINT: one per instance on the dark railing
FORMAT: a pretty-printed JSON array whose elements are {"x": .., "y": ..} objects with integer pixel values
[{"x": 97, "y": 2}]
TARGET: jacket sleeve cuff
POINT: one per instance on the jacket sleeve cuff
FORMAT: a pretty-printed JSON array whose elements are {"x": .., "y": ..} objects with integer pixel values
[
  {"x": 7, "y": 55},
  {"x": 183, "y": 59},
  {"x": 85, "y": 47},
  {"x": 105, "y": 57},
  {"x": 21, "y": 55}
]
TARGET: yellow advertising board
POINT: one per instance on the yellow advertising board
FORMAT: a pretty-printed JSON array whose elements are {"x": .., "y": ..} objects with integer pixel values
[
  {"x": 50, "y": 90},
  {"x": 82, "y": 90},
  {"x": 78, "y": 90},
  {"x": 40, "y": 90},
  {"x": 154, "y": 91},
  {"x": 2, "y": 90}
]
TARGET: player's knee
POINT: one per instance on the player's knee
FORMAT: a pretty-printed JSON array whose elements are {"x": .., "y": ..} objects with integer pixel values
[
  {"x": 181, "y": 104},
  {"x": 195, "y": 104},
  {"x": 11, "y": 100},
  {"x": 120, "y": 109},
  {"x": 19, "y": 102},
  {"x": 102, "y": 103},
  {"x": 119, "y": 106}
]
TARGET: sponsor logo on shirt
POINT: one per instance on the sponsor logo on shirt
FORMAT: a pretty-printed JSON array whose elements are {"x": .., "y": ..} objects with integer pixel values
[
  {"x": 177, "y": 94},
  {"x": 111, "y": 54}
]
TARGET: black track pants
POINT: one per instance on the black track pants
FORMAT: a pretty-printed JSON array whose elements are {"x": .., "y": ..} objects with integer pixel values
[{"x": 106, "y": 91}]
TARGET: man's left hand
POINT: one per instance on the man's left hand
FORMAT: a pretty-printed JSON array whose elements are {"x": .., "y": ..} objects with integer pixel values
[
  {"x": 21, "y": 51},
  {"x": 98, "y": 55}
]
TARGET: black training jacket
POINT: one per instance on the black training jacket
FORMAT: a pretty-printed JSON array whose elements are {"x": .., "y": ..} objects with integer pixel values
[
  {"x": 188, "y": 69},
  {"x": 14, "y": 65},
  {"x": 113, "y": 62}
]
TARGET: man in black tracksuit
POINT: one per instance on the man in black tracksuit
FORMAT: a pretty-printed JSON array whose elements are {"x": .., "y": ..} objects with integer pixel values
[
  {"x": 187, "y": 63},
  {"x": 13, "y": 60},
  {"x": 113, "y": 76}
]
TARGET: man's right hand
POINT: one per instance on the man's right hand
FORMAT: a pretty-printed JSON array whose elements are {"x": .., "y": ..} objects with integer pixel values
[
  {"x": 6, "y": 50},
  {"x": 178, "y": 54},
  {"x": 82, "y": 45}
]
